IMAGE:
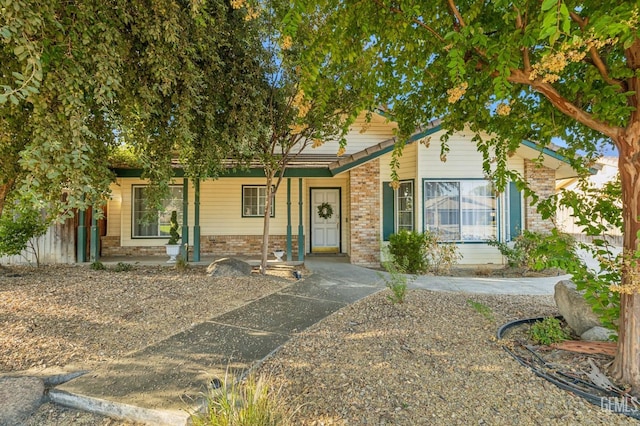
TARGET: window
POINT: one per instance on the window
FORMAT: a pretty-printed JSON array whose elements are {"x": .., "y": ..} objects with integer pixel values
[
  {"x": 404, "y": 203},
  {"x": 147, "y": 222},
  {"x": 463, "y": 210},
  {"x": 254, "y": 200}
]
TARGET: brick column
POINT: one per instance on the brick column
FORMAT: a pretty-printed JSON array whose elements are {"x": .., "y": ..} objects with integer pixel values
[
  {"x": 542, "y": 180},
  {"x": 364, "y": 198}
]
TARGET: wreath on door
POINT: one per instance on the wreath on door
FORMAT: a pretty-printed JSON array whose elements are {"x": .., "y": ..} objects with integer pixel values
[{"x": 325, "y": 210}]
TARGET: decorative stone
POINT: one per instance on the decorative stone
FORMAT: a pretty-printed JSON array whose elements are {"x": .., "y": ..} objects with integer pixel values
[
  {"x": 598, "y": 334},
  {"x": 574, "y": 308},
  {"x": 229, "y": 267}
]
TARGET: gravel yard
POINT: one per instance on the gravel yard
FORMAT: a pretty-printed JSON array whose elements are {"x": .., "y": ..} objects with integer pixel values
[{"x": 432, "y": 360}]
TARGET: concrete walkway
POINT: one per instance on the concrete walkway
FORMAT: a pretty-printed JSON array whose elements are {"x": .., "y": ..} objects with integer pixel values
[
  {"x": 158, "y": 384},
  {"x": 490, "y": 285}
]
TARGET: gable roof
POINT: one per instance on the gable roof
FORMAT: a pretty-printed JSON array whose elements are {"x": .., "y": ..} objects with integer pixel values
[{"x": 325, "y": 163}]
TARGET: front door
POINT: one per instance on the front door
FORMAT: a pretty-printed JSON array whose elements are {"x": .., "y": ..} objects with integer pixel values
[{"x": 325, "y": 220}]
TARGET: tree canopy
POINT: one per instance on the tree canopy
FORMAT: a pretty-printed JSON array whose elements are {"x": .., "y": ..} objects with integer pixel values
[
  {"x": 170, "y": 78},
  {"x": 513, "y": 70}
]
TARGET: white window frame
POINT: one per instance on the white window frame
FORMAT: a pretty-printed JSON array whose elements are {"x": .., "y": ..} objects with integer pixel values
[
  {"x": 163, "y": 217},
  {"x": 410, "y": 196},
  {"x": 261, "y": 200},
  {"x": 465, "y": 230}
]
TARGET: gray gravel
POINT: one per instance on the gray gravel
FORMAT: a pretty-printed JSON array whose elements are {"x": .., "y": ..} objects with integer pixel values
[{"x": 432, "y": 360}]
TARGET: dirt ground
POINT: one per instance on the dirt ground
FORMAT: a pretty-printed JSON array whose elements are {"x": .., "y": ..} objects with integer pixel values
[{"x": 432, "y": 360}]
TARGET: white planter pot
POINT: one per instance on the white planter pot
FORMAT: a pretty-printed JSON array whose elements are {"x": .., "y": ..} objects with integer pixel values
[{"x": 173, "y": 250}]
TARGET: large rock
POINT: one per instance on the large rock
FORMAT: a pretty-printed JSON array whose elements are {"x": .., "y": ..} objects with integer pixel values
[
  {"x": 598, "y": 334},
  {"x": 229, "y": 267},
  {"x": 574, "y": 308}
]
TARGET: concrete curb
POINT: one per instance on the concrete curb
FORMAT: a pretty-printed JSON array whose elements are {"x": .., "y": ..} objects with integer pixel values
[{"x": 115, "y": 409}]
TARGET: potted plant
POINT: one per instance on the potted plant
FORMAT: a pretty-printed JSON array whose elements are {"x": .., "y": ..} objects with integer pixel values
[{"x": 173, "y": 245}]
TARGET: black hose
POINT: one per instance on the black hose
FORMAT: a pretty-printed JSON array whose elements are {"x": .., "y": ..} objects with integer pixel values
[{"x": 617, "y": 407}]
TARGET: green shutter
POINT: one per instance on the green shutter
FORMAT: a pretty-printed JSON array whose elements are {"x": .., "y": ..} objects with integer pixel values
[
  {"x": 515, "y": 211},
  {"x": 388, "y": 196}
]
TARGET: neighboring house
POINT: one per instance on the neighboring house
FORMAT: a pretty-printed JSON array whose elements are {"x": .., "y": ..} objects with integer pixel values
[
  {"x": 224, "y": 216},
  {"x": 605, "y": 170}
]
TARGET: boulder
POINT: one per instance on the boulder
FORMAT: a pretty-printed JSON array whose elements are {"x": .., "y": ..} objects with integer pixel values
[
  {"x": 574, "y": 308},
  {"x": 598, "y": 334},
  {"x": 229, "y": 267}
]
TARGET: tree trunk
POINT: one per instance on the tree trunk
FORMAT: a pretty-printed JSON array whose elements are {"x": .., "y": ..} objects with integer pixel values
[
  {"x": 626, "y": 366},
  {"x": 265, "y": 229},
  {"x": 5, "y": 188}
]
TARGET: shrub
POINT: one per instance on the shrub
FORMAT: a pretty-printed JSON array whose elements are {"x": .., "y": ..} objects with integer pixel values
[
  {"x": 439, "y": 257},
  {"x": 20, "y": 230},
  {"x": 123, "y": 267},
  {"x": 548, "y": 331},
  {"x": 534, "y": 251},
  {"x": 173, "y": 229},
  {"x": 417, "y": 253},
  {"x": 397, "y": 281},
  {"x": 251, "y": 402},
  {"x": 181, "y": 263},
  {"x": 97, "y": 266},
  {"x": 407, "y": 249}
]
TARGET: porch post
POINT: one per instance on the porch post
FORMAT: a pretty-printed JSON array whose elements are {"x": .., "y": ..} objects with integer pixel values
[
  {"x": 300, "y": 226},
  {"x": 184, "y": 248},
  {"x": 81, "y": 251},
  {"x": 196, "y": 221},
  {"x": 95, "y": 239},
  {"x": 289, "y": 242}
]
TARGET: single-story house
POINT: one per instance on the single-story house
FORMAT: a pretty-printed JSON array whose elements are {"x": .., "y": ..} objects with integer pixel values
[{"x": 331, "y": 204}]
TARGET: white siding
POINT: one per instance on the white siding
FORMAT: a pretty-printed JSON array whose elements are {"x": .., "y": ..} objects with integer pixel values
[
  {"x": 463, "y": 161},
  {"x": 221, "y": 208},
  {"x": 361, "y": 135},
  {"x": 114, "y": 210}
]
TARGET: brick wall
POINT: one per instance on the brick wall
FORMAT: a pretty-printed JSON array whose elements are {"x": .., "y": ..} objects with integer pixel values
[
  {"x": 364, "y": 197},
  {"x": 542, "y": 180},
  {"x": 218, "y": 245}
]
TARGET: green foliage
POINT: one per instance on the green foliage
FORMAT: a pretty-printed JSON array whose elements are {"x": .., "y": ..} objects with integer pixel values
[
  {"x": 309, "y": 103},
  {"x": 408, "y": 251},
  {"x": 397, "y": 281},
  {"x": 251, "y": 402},
  {"x": 534, "y": 251},
  {"x": 78, "y": 82},
  {"x": 548, "y": 331},
  {"x": 174, "y": 237},
  {"x": 97, "y": 266},
  {"x": 20, "y": 230},
  {"x": 123, "y": 267},
  {"x": 482, "y": 309},
  {"x": 422, "y": 252}
]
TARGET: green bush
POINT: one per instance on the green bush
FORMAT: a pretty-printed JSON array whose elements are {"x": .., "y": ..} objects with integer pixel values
[
  {"x": 20, "y": 230},
  {"x": 97, "y": 266},
  {"x": 174, "y": 237},
  {"x": 407, "y": 250},
  {"x": 123, "y": 267},
  {"x": 252, "y": 402},
  {"x": 534, "y": 251},
  {"x": 548, "y": 331},
  {"x": 416, "y": 253},
  {"x": 397, "y": 281}
]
